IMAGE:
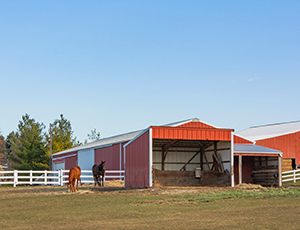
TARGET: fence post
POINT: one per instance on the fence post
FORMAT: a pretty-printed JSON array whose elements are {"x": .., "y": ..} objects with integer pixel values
[
  {"x": 30, "y": 179},
  {"x": 61, "y": 177},
  {"x": 294, "y": 175},
  {"x": 15, "y": 178},
  {"x": 45, "y": 177}
]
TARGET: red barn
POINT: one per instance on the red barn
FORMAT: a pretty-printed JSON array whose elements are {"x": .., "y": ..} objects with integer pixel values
[
  {"x": 284, "y": 137},
  {"x": 189, "y": 152}
]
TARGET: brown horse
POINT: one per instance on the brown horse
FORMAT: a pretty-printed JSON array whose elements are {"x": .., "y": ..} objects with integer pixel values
[
  {"x": 99, "y": 172},
  {"x": 74, "y": 174}
]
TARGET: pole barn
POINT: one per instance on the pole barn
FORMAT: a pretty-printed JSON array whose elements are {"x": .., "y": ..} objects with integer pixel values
[
  {"x": 284, "y": 137},
  {"x": 170, "y": 155},
  {"x": 185, "y": 153}
]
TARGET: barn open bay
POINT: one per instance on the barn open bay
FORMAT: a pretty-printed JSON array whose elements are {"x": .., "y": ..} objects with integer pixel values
[{"x": 158, "y": 208}]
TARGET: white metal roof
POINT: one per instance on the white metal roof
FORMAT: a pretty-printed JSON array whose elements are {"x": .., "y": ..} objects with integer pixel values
[
  {"x": 268, "y": 131},
  {"x": 103, "y": 142},
  {"x": 254, "y": 149},
  {"x": 178, "y": 123}
]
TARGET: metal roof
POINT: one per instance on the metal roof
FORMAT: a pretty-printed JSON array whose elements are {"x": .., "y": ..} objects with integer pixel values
[
  {"x": 123, "y": 137},
  {"x": 178, "y": 123},
  {"x": 268, "y": 131},
  {"x": 254, "y": 149},
  {"x": 104, "y": 142}
]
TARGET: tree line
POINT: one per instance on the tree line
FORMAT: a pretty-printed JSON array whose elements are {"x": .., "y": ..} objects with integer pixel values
[{"x": 28, "y": 148}]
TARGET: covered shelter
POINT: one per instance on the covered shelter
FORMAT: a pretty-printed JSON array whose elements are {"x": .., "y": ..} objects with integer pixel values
[
  {"x": 284, "y": 137},
  {"x": 257, "y": 165},
  {"x": 173, "y": 154}
]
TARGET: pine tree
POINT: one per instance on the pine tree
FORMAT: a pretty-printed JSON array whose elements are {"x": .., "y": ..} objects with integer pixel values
[
  {"x": 2, "y": 150},
  {"x": 27, "y": 147},
  {"x": 94, "y": 136}
]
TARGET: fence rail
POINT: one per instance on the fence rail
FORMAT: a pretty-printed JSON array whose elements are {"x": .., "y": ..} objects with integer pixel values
[
  {"x": 60, "y": 177},
  {"x": 293, "y": 175}
]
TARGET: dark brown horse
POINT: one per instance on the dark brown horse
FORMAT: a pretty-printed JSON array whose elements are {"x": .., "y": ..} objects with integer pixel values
[
  {"x": 74, "y": 174},
  {"x": 99, "y": 173}
]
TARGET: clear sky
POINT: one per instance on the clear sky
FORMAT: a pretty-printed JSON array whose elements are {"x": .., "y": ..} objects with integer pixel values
[{"x": 120, "y": 66}]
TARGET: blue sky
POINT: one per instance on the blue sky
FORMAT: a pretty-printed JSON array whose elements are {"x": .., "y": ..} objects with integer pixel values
[{"x": 120, "y": 66}]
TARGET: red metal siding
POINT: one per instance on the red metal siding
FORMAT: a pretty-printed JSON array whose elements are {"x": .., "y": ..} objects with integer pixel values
[
  {"x": 70, "y": 162},
  {"x": 196, "y": 125},
  {"x": 288, "y": 144},
  {"x": 191, "y": 133},
  {"x": 63, "y": 155},
  {"x": 111, "y": 155},
  {"x": 247, "y": 169},
  {"x": 240, "y": 140},
  {"x": 137, "y": 162}
]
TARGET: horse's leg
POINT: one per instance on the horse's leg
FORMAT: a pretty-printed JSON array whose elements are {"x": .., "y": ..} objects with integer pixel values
[
  {"x": 95, "y": 179},
  {"x": 77, "y": 184},
  {"x": 102, "y": 179},
  {"x": 99, "y": 180},
  {"x": 73, "y": 185}
]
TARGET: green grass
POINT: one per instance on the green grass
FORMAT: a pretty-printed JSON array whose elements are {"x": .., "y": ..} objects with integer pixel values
[{"x": 168, "y": 208}]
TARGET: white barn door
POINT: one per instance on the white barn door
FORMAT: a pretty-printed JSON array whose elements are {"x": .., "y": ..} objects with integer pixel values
[{"x": 86, "y": 159}]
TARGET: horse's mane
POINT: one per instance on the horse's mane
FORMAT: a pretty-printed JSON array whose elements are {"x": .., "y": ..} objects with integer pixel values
[{"x": 102, "y": 166}]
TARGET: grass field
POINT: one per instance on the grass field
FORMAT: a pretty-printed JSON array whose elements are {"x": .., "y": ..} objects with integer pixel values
[{"x": 153, "y": 208}]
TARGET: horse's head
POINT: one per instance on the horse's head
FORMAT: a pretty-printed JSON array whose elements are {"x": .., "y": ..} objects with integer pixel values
[{"x": 103, "y": 164}]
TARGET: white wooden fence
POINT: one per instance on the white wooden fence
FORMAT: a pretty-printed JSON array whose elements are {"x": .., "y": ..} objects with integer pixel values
[
  {"x": 293, "y": 175},
  {"x": 32, "y": 177}
]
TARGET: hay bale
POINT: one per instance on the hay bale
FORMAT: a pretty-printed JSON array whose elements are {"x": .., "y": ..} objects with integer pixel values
[
  {"x": 115, "y": 183},
  {"x": 253, "y": 187}
]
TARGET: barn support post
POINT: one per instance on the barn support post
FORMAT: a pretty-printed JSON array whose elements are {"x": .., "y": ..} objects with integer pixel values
[
  {"x": 162, "y": 158},
  {"x": 232, "y": 160},
  {"x": 240, "y": 169},
  {"x": 150, "y": 159},
  {"x": 120, "y": 150},
  {"x": 280, "y": 171},
  {"x": 201, "y": 159}
]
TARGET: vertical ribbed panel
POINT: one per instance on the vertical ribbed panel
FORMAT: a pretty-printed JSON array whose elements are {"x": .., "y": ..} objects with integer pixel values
[
  {"x": 191, "y": 133},
  {"x": 69, "y": 161},
  {"x": 196, "y": 125},
  {"x": 109, "y": 154},
  {"x": 288, "y": 144},
  {"x": 240, "y": 140},
  {"x": 137, "y": 162}
]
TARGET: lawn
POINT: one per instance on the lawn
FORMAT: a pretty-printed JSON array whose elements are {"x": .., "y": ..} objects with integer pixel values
[{"x": 153, "y": 208}]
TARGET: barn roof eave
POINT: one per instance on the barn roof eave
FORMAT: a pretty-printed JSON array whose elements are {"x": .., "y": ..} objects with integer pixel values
[{"x": 103, "y": 142}]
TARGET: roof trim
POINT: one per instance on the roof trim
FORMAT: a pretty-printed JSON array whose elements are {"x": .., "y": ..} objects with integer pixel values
[
  {"x": 136, "y": 137},
  {"x": 243, "y": 138},
  {"x": 179, "y": 123},
  {"x": 97, "y": 144},
  {"x": 254, "y": 149},
  {"x": 280, "y": 123}
]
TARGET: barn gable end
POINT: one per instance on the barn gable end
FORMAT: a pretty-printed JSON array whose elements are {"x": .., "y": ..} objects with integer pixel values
[{"x": 137, "y": 161}]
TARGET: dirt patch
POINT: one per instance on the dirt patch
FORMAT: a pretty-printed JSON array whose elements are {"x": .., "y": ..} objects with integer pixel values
[
  {"x": 29, "y": 191},
  {"x": 118, "y": 186}
]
